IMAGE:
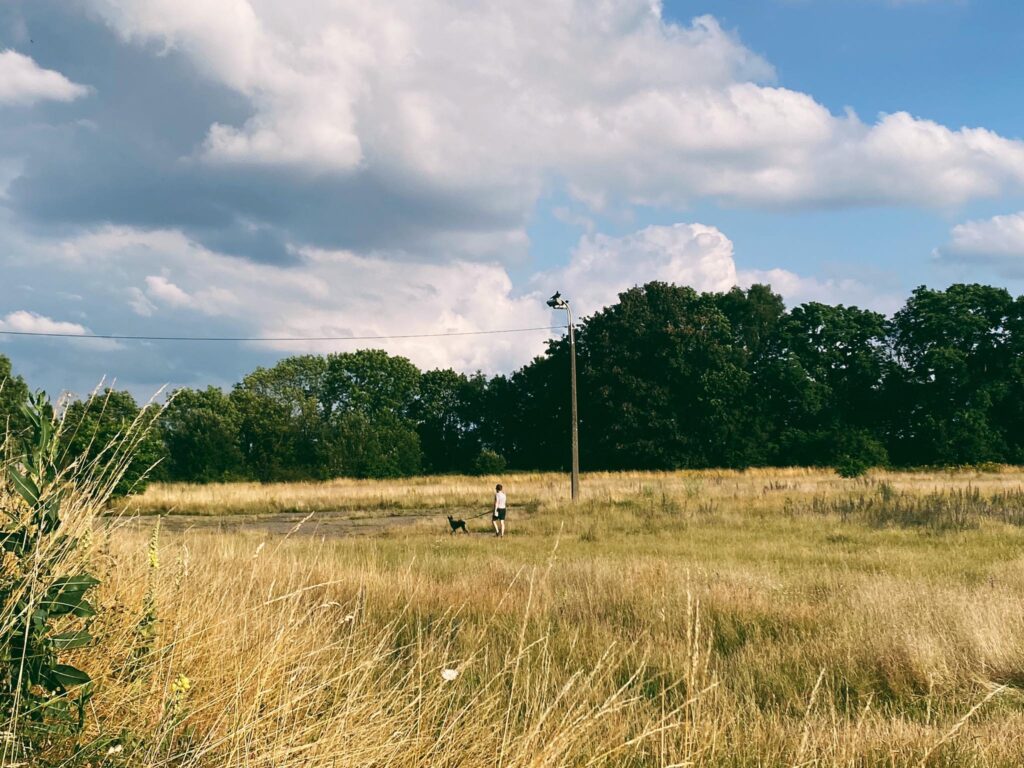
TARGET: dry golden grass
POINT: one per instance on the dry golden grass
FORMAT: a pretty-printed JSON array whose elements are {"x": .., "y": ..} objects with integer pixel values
[
  {"x": 534, "y": 489},
  {"x": 706, "y": 619}
]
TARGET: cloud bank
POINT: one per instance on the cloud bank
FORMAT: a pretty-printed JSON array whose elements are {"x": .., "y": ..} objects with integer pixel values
[
  {"x": 621, "y": 103},
  {"x": 164, "y": 280},
  {"x": 262, "y": 168},
  {"x": 996, "y": 242}
]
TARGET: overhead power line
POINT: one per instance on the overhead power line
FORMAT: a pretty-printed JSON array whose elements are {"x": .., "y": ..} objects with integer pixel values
[{"x": 130, "y": 337}]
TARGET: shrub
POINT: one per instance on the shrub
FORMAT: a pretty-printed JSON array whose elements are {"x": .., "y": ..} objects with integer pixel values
[
  {"x": 42, "y": 590},
  {"x": 489, "y": 462},
  {"x": 852, "y": 466}
]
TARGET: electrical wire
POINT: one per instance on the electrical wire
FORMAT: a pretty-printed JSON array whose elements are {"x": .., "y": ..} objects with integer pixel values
[{"x": 276, "y": 339}]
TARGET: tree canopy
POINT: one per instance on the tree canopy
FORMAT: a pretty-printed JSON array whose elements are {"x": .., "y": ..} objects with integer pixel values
[{"x": 668, "y": 378}]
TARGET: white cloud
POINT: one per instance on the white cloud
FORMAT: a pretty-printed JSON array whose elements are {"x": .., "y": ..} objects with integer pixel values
[
  {"x": 140, "y": 303},
  {"x": 696, "y": 255},
  {"x": 161, "y": 288},
  {"x": 23, "y": 321},
  {"x": 612, "y": 98},
  {"x": 998, "y": 242},
  {"x": 340, "y": 293},
  {"x": 23, "y": 82},
  {"x": 601, "y": 266},
  {"x": 797, "y": 289}
]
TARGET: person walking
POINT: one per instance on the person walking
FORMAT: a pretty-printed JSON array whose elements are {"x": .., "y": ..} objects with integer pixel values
[{"x": 500, "y": 506}]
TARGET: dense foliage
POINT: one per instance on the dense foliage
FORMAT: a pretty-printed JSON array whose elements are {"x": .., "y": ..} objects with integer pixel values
[
  {"x": 668, "y": 378},
  {"x": 41, "y": 608}
]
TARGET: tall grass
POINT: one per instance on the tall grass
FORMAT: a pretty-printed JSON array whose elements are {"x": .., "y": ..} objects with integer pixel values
[
  {"x": 761, "y": 488},
  {"x": 710, "y": 619},
  {"x": 781, "y": 641}
]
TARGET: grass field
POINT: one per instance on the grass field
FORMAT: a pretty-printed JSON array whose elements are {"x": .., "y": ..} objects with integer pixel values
[{"x": 764, "y": 618}]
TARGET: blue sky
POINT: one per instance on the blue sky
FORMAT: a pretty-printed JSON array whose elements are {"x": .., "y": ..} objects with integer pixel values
[
  {"x": 953, "y": 61},
  {"x": 252, "y": 168}
]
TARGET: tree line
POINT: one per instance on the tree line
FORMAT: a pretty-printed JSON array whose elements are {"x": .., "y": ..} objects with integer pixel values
[{"x": 668, "y": 378}]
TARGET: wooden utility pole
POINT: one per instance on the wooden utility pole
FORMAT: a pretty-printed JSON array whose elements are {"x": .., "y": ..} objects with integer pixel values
[{"x": 557, "y": 302}]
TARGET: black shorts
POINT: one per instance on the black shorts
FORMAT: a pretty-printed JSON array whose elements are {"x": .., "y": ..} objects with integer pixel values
[{"x": 499, "y": 514}]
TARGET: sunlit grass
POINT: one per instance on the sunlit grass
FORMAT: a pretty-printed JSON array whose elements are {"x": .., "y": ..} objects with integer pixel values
[
  {"x": 718, "y": 619},
  {"x": 761, "y": 488},
  {"x": 760, "y": 618}
]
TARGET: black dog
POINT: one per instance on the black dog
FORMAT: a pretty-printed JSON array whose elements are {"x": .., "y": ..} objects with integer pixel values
[{"x": 457, "y": 524}]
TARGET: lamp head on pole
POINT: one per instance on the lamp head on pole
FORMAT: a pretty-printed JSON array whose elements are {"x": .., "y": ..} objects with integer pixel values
[{"x": 557, "y": 302}]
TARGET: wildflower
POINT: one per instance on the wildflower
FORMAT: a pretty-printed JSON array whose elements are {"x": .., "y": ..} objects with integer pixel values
[
  {"x": 449, "y": 674},
  {"x": 181, "y": 685},
  {"x": 115, "y": 750},
  {"x": 154, "y": 547}
]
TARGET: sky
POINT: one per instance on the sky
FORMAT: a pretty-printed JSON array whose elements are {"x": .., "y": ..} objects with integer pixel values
[{"x": 320, "y": 168}]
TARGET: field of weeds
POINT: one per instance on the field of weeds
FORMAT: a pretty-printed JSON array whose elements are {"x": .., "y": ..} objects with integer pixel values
[{"x": 760, "y": 618}]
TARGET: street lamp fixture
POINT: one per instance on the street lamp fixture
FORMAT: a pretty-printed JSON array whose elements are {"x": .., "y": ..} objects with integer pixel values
[{"x": 558, "y": 302}]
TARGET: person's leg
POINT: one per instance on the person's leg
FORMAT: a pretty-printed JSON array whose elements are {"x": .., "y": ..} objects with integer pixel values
[
  {"x": 502, "y": 524},
  {"x": 497, "y": 531}
]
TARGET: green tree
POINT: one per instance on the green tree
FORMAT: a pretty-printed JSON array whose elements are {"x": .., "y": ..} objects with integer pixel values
[
  {"x": 95, "y": 430},
  {"x": 200, "y": 428},
  {"x": 368, "y": 400},
  {"x": 663, "y": 383},
  {"x": 756, "y": 316},
  {"x": 313, "y": 417},
  {"x": 13, "y": 392},
  {"x": 448, "y": 414},
  {"x": 528, "y": 413},
  {"x": 1008, "y": 412},
  {"x": 370, "y": 382},
  {"x": 822, "y": 386},
  {"x": 384, "y": 447},
  {"x": 282, "y": 420},
  {"x": 959, "y": 367}
]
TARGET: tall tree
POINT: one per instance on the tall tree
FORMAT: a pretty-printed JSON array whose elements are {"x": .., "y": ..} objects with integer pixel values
[
  {"x": 534, "y": 413},
  {"x": 824, "y": 385},
  {"x": 371, "y": 382},
  {"x": 957, "y": 358},
  {"x": 370, "y": 398},
  {"x": 201, "y": 433},
  {"x": 448, "y": 415},
  {"x": 281, "y": 420},
  {"x": 664, "y": 383},
  {"x": 312, "y": 417},
  {"x": 95, "y": 430},
  {"x": 13, "y": 392}
]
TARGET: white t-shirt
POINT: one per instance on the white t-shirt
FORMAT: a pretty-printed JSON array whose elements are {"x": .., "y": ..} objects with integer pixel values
[{"x": 499, "y": 500}]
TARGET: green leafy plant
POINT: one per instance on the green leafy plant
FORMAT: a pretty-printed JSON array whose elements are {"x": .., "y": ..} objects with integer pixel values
[
  {"x": 41, "y": 609},
  {"x": 489, "y": 462},
  {"x": 852, "y": 466}
]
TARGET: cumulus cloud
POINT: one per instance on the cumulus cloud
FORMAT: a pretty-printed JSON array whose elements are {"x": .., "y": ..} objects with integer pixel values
[
  {"x": 695, "y": 255},
  {"x": 351, "y": 168},
  {"x": 23, "y": 321},
  {"x": 602, "y": 266},
  {"x": 29, "y": 322},
  {"x": 329, "y": 293},
  {"x": 23, "y": 82},
  {"x": 998, "y": 242},
  {"x": 163, "y": 289},
  {"x": 167, "y": 278},
  {"x": 851, "y": 291},
  {"x": 613, "y": 98}
]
